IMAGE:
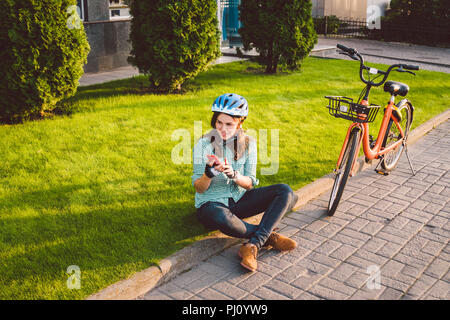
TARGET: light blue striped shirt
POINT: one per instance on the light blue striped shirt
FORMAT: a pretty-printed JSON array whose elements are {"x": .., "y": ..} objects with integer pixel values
[{"x": 221, "y": 187}]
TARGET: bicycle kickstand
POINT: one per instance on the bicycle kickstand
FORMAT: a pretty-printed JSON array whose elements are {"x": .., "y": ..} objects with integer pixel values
[{"x": 409, "y": 160}]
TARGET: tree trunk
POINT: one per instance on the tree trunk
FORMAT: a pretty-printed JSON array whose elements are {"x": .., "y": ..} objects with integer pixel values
[{"x": 269, "y": 60}]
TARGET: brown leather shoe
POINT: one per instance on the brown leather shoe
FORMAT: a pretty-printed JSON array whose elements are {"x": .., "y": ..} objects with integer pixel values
[
  {"x": 280, "y": 242},
  {"x": 248, "y": 253}
]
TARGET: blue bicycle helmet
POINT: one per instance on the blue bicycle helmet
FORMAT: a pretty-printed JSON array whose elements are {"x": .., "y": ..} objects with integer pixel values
[{"x": 232, "y": 104}]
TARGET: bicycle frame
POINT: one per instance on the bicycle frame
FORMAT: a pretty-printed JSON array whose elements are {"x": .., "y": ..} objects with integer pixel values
[{"x": 376, "y": 151}]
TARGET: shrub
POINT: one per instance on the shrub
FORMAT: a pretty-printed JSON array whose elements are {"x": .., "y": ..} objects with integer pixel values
[
  {"x": 332, "y": 23},
  {"x": 282, "y": 31},
  {"x": 172, "y": 40},
  {"x": 422, "y": 22},
  {"x": 42, "y": 57}
]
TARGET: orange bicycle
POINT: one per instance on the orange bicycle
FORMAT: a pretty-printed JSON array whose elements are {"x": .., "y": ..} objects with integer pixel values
[{"x": 394, "y": 129}]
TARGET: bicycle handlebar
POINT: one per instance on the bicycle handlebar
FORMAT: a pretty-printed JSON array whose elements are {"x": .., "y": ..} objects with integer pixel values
[
  {"x": 410, "y": 67},
  {"x": 346, "y": 49},
  {"x": 352, "y": 53}
]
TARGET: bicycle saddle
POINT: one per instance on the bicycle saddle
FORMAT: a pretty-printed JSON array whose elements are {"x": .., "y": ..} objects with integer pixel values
[{"x": 396, "y": 88}]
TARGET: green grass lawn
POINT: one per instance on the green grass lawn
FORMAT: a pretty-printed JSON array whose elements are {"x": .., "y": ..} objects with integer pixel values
[{"x": 98, "y": 188}]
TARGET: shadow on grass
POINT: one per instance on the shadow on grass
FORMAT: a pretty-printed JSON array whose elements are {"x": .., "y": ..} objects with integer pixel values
[{"x": 96, "y": 237}]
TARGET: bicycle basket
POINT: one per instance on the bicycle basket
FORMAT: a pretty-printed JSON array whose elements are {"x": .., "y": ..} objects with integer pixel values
[{"x": 344, "y": 107}]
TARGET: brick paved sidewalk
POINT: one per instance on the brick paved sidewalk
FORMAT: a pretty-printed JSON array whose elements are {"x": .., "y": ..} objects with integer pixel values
[{"x": 389, "y": 239}]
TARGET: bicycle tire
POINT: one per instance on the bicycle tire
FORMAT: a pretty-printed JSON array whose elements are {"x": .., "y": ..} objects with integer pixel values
[
  {"x": 390, "y": 159},
  {"x": 343, "y": 172}
]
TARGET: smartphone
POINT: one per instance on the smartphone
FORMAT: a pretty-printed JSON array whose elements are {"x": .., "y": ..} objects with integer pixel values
[{"x": 212, "y": 157}]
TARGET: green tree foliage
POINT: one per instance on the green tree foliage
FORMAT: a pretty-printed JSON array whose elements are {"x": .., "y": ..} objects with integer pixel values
[
  {"x": 43, "y": 50},
  {"x": 172, "y": 40},
  {"x": 282, "y": 31},
  {"x": 424, "y": 22}
]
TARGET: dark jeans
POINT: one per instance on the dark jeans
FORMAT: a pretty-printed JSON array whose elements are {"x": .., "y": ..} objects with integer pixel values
[{"x": 274, "y": 200}]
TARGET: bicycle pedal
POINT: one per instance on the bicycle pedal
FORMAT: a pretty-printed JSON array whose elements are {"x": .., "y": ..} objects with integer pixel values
[{"x": 383, "y": 173}]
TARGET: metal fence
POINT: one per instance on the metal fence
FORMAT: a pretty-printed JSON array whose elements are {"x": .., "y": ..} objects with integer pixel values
[
  {"x": 421, "y": 33},
  {"x": 331, "y": 25}
]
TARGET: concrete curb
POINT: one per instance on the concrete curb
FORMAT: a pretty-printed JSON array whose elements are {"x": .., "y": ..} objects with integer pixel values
[{"x": 190, "y": 256}]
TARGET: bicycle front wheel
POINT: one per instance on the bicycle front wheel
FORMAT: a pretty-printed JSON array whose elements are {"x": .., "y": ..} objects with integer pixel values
[
  {"x": 343, "y": 172},
  {"x": 393, "y": 135}
]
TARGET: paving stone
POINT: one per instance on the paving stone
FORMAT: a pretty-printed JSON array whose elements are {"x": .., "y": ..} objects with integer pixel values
[
  {"x": 435, "y": 236},
  {"x": 268, "y": 269},
  {"x": 254, "y": 281},
  {"x": 374, "y": 245},
  {"x": 391, "y": 269},
  {"x": 211, "y": 294},
  {"x": 295, "y": 222},
  {"x": 330, "y": 230},
  {"x": 156, "y": 295},
  {"x": 358, "y": 224},
  {"x": 311, "y": 236},
  {"x": 359, "y": 207},
  {"x": 366, "y": 294},
  {"x": 283, "y": 288},
  {"x": 305, "y": 281},
  {"x": 201, "y": 283},
  {"x": 437, "y": 268},
  {"x": 323, "y": 259},
  {"x": 398, "y": 223},
  {"x": 337, "y": 286},
  {"x": 413, "y": 272},
  {"x": 327, "y": 247},
  {"x": 417, "y": 215},
  {"x": 300, "y": 217},
  {"x": 327, "y": 293},
  {"x": 251, "y": 297},
  {"x": 185, "y": 278},
  {"x": 421, "y": 285},
  {"x": 316, "y": 226},
  {"x": 290, "y": 274},
  {"x": 390, "y": 294},
  {"x": 357, "y": 279},
  {"x": 395, "y": 284},
  {"x": 371, "y": 257},
  {"x": 391, "y": 237},
  {"x": 230, "y": 290},
  {"x": 419, "y": 204},
  {"x": 343, "y": 252},
  {"x": 408, "y": 280},
  {"x": 268, "y": 294},
  {"x": 417, "y": 253},
  {"x": 308, "y": 296},
  {"x": 344, "y": 239},
  {"x": 343, "y": 271}
]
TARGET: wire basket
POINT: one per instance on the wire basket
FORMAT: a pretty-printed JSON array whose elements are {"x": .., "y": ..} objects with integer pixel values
[{"x": 344, "y": 107}]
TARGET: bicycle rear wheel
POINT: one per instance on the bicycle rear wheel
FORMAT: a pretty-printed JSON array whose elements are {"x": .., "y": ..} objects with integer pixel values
[
  {"x": 343, "y": 172},
  {"x": 393, "y": 135}
]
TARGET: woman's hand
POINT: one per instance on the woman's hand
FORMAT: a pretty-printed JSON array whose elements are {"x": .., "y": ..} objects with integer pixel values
[{"x": 228, "y": 170}]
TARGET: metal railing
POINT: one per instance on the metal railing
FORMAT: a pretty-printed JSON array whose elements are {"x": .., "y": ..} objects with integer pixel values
[
  {"x": 345, "y": 27},
  {"x": 420, "y": 33}
]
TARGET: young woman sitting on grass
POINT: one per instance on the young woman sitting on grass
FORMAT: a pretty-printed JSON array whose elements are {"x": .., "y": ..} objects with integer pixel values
[{"x": 224, "y": 186}]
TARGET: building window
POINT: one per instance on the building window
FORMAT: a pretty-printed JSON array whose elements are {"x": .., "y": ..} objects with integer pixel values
[
  {"x": 118, "y": 9},
  {"x": 80, "y": 9}
]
